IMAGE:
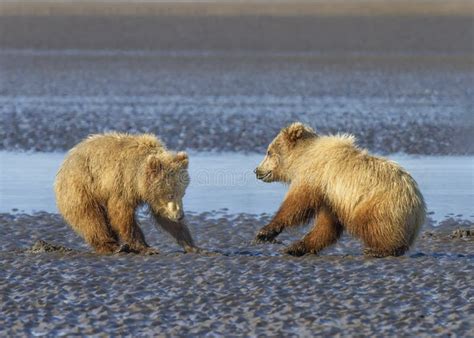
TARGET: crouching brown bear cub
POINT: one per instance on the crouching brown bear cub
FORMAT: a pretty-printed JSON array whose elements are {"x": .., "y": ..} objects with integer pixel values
[
  {"x": 345, "y": 188},
  {"x": 106, "y": 177}
]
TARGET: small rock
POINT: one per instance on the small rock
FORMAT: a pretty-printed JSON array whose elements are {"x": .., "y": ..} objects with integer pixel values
[
  {"x": 41, "y": 246},
  {"x": 462, "y": 233}
]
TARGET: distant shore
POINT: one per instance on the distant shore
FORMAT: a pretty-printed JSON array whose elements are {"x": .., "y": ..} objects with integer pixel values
[
  {"x": 236, "y": 8},
  {"x": 401, "y": 34}
]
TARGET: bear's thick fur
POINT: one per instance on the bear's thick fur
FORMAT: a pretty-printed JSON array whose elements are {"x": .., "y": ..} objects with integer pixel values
[
  {"x": 370, "y": 197},
  {"x": 106, "y": 177}
]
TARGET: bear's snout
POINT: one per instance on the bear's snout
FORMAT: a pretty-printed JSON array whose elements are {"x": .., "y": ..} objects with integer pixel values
[
  {"x": 261, "y": 174},
  {"x": 175, "y": 211},
  {"x": 177, "y": 216}
]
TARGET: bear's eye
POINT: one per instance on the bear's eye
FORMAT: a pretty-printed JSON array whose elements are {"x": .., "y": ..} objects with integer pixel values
[
  {"x": 269, "y": 153},
  {"x": 170, "y": 197}
]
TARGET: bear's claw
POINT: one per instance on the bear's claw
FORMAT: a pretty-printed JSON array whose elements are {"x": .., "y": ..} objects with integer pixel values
[
  {"x": 266, "y": 237},
  {"x": 126, "y": 248},
  {"x": 297, "y": 249},
  {"x": 193, "y": 249},
  {"x": 150, "y": 251}
]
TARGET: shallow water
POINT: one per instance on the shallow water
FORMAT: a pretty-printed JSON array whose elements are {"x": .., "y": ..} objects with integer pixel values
[{"x": 226, "y": 180}]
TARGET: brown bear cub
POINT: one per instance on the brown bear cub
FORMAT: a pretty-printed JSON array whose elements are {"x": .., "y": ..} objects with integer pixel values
[
  {"x": 345, "y": 188},
  {"x": 106, "y": 177}
]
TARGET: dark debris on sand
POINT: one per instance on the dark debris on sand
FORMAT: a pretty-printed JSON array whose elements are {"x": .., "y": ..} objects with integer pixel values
[
  {"x": 41, "y": 246},
  {"x": 236, "y": 288}
]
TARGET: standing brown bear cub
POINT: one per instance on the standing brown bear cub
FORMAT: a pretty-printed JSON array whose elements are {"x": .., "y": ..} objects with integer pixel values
[
  {"x": 106, "y": 177},
  {"x": 345, "y": 188}
]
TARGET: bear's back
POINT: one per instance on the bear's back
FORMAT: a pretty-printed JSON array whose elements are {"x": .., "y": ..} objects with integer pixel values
[
  {"x": 350, "y": 176},
  {"x": 110, "y": 148},
  {"x": 105, "y": 162},
  {"x": 339, "y": 164},
  {"x": 120, "y": 143},
  {"x": 370, "y": 190}
]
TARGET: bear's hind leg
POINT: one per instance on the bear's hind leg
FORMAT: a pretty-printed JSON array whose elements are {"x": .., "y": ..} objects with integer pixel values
[
  {"x": 122, "y": 220},
  {"x": 84, "y": 214},
  {"x": 383, "y": 241},
  {"x": 386, "y": 252},
  {"x": 92, "y": 224},
  {"x": 325, "y": 232}
]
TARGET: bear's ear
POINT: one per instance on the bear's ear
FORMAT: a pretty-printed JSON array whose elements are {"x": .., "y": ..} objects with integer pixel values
[
  {"x": 154, "y": 164},
  {"x": 182, "y": 159},
  {"x": 298, "y": 131}
]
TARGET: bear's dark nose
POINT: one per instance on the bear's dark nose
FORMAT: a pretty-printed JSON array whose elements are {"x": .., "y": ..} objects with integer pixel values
[
  {"x": 255, "y": 171},
  {"x": 258, "y": 173}
]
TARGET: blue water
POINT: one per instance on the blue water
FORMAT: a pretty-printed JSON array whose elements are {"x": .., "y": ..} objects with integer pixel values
[{"x": 226, "y": 180}]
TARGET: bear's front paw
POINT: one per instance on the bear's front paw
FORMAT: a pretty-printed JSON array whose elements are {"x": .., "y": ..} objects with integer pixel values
[
  {"x": 296, "y": 249},
  {"x": 124, "y": 248},
  {"x": 149, "y": 251},
  {"x": 192, "y": 249},
  {"x": 265, "y": 236}
]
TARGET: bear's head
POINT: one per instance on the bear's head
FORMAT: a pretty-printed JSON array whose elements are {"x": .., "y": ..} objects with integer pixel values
[
  {"x": 280, "y": 153},
  {"x": 165, "y": 182}
]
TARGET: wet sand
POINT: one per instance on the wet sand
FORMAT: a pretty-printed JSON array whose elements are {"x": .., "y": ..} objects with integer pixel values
[
  {"x": 235, "y": 102},
  {"x": 244, "y": 289}
]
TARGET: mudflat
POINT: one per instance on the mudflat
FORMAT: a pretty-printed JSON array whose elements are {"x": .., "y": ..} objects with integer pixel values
[
  {"x": 50, "y": 100},
  {"x": 236, "y": 288},
  {"x": 51, "y": 283}
]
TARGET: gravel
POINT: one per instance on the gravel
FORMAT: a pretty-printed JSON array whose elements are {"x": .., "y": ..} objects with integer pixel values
[{"x": 241, "y": 289}]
